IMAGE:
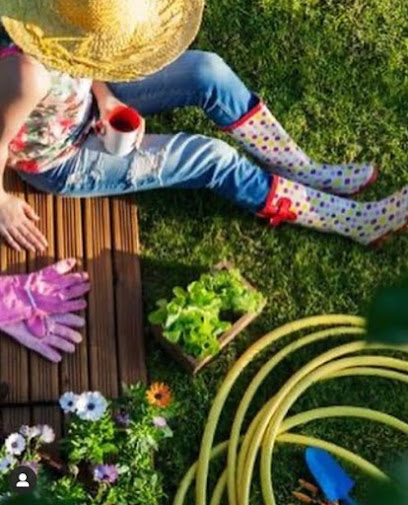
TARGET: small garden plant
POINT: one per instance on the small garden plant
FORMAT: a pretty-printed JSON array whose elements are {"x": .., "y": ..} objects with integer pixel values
[
  {"x": 107, "y": 453},
  {"x": 196, "y": 317}
]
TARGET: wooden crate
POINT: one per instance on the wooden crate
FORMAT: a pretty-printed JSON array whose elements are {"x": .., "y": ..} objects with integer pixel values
[{"x": 191, "y": 364}]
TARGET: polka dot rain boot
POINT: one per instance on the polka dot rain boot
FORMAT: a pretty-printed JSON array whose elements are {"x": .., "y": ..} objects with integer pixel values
[
  {"x": 370, "y": 223},
  {"x": 261, "y": 135}
]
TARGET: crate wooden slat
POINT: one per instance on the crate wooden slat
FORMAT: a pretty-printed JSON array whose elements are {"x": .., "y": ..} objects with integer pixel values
[{"x": 103, "y": 234}]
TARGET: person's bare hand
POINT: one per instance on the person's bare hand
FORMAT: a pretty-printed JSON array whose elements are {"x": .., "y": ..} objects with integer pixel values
[{"x": 17, "y": 224}]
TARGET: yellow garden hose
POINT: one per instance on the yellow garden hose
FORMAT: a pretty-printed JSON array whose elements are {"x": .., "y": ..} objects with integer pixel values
[
  {"x": 366, "y": 371},
  {"x": 256, "y": 441},
  {"x": 219, "y": 489},
  {"x": 366, "y": 467},
  {"x": 191, "y": 474},
  {"x": 287, "y": 402},
  {"x": 362, "y": 464},
  {"x": 318, "y": 414},
  {"x": 269, "y": 425},
  {"x": 361, "y": 413},
  {"x": 251, "y": 391},
  {"x": 236, "y": 370}
]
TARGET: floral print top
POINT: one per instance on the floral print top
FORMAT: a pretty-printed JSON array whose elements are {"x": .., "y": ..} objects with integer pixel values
[{"x": 56, "y": 128}]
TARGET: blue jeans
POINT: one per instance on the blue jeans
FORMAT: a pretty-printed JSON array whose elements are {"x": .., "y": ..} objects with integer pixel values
[{"x": 179, "y": 161}]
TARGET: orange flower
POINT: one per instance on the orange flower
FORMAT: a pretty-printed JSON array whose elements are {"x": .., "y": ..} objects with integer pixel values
[{"x": 159, "y": 395}]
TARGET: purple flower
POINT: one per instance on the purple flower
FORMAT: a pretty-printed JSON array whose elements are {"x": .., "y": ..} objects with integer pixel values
[
  {"x": 33, "y": 465},
  {"x": 122, "y": 418},
  {"x": 106, "y": 473},
  {"x": 160, "y": 422}
]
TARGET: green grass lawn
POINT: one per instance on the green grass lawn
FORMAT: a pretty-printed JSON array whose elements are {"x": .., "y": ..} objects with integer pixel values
[{"x": 334, "y": 72}]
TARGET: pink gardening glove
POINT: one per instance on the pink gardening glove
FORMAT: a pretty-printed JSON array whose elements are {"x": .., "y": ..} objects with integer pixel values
[
  {"x": 32, "y": 297},
  {"x": 61, "y": 336}
]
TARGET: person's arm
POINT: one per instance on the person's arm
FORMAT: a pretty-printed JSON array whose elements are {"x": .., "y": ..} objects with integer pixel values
[
  {"x": 107, "y": 101},
  {"x": 3, "y": 161},
  {"x": 23, "y": 84}
]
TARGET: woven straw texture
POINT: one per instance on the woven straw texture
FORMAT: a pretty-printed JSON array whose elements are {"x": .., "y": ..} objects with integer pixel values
[{"x": 106, "y": 40}]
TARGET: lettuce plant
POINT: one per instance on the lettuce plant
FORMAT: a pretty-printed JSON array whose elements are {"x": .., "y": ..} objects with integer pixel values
[{"x": 195, "y": 317}]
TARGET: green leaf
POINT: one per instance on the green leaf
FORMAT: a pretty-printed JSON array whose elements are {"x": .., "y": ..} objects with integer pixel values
[
  {"x": 172, "y": 335},
  {"x": 158, "y": 316},
  {"x": 394, "y": 492},
  {"x": 192, "y": 317},
  {"x": 388, "y": 315},
  {"x": 109, "y": 448},
  {"x": 162, "y": 303},
  {"x": 180, "y": 292}
]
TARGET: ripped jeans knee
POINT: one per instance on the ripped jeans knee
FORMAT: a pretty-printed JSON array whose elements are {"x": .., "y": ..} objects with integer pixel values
[{"x": 95, "y": 172}]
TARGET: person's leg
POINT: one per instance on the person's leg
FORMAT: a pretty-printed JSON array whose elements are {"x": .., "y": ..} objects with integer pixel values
[
  {"x": 194, "y": 161},
  {"x": 204, "y": 80},
  {"x": 369, "y": 223},
  {"x": 177, "y": 161},
  {"x": 197, "y": 78},
  {"x": 261, "y": 134}
]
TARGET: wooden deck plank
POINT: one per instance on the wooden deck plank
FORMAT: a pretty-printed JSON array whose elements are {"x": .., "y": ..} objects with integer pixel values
[
  {"x": 69, "y": 234},
  {"x": 128, "y": 292},
  {"x": 101, "y": 316},
  {"x": 104, "y": 234},
  {"x": 14, "y": 364},
  {"x": 44, "y": 375},
  {"x": 12, "y": 418}
]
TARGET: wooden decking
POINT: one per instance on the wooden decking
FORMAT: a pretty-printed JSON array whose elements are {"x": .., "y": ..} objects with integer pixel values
[{"x": 103, "y": 233}]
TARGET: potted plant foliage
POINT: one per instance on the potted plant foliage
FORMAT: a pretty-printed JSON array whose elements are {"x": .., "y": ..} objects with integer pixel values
[
  {"x": 106, "y": 457},
  {"x": 202, "y": 319}
]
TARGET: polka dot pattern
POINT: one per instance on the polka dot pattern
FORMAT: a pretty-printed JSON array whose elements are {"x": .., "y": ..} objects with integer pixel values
[
  {"x": 363, "y": 222},
  {"x": 266, "y": 139}
]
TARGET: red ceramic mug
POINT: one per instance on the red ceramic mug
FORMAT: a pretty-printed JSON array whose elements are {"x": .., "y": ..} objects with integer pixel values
[{"x": 120, "y": 130}]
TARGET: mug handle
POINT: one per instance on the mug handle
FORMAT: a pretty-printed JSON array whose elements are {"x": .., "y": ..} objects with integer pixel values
[{"x": 100, "y": 128}]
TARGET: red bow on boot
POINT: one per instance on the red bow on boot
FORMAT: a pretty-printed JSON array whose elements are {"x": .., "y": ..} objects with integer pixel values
[{"x": 279, "y": 213}]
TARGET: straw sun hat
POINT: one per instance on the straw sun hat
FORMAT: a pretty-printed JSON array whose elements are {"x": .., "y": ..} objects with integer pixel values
[{"x": 106, "y": 40}]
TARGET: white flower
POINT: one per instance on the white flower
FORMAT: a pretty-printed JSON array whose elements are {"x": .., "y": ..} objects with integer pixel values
[
  {"x": 35, "y": 431},
  {"x": 47, "y": 434},
  {"x": 30, "y": 432},
  {"x": 6, "y": 463},
  {"x": 160, "y": 422},
  {"x": 24, "y": 430},
  {"x": 15, "y": 444},
  {"x": 68, "y": 402},
  {"x": 91, "y": 406}
]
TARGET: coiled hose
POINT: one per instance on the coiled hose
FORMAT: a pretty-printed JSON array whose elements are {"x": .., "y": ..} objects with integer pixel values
[{"x": 270, "y": 425}]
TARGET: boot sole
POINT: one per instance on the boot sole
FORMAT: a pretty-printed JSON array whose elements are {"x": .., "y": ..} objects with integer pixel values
[
  {"x": 372, "y": 180},
  {"x": 379, "y": 242}
]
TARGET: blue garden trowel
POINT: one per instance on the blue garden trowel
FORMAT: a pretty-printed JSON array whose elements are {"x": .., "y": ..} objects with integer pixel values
[{"x": 332, "y": 479}]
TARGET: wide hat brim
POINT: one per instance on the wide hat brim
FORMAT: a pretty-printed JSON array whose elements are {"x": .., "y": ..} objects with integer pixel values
[{"x": 36, "y": 27}]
